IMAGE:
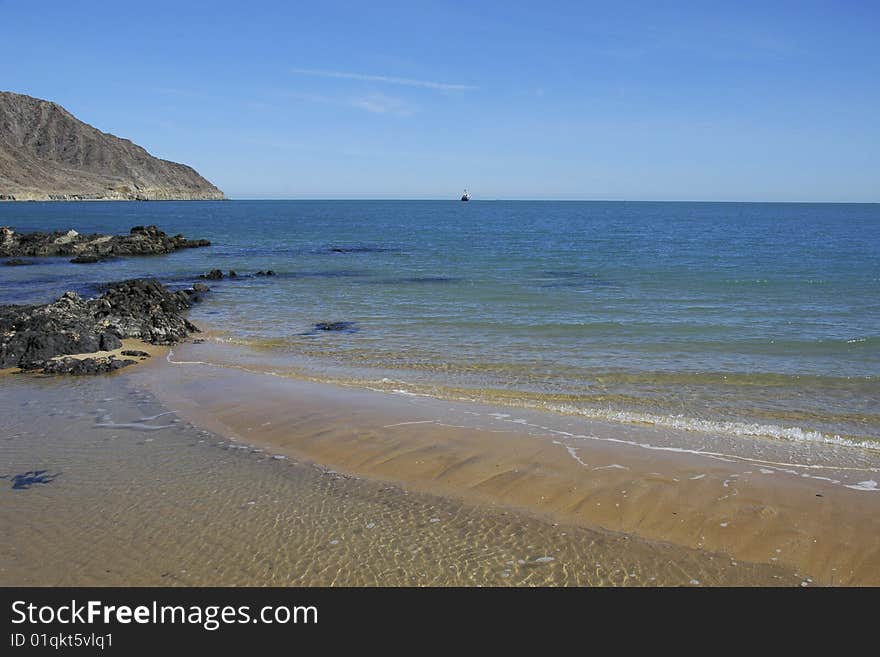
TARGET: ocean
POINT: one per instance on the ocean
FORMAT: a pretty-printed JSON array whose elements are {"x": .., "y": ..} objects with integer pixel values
[{"x": 759, "y": 320}]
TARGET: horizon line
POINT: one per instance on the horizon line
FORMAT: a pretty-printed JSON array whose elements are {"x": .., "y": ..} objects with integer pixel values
[{"x": 536, "y": 200}]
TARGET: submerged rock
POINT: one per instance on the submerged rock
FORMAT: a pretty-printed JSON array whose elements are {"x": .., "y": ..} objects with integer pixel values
[
  {"x": 347, "y": 327},
  {"x": 197, "y": 292},
  {"x": 140, "y": 308},
  {"x": 27, "y": 479},
  {"x": 360, "y": 248},
  {"x": 17, "y": 262},
  {"x": 268, "y": 272},
  {"x": 217, "y": 275},
  {"x": 88, "y": 259},
  {"x": 141, "y": 240}
]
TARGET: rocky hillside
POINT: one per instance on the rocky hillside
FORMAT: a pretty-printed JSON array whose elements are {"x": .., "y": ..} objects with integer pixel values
[{"x": 48, "y": 154}]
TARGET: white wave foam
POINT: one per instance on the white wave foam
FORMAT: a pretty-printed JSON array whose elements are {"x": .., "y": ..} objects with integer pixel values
[
  {"x": 864, "y": 485},
  {"x": 572, "y": 452},
  {"x": 683, "y": 423},
  {"x": 789, "y": 468},
  {"x": 133, "y": 426}
]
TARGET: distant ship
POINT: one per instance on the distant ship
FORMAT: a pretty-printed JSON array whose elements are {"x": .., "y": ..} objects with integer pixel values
[{"x": 465, "y": 196}]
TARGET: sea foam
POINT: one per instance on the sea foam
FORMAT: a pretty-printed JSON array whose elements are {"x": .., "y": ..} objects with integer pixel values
[{"x": 745, "y": 429}]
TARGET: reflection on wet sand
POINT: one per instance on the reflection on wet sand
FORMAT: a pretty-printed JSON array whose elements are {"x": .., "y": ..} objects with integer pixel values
[
  {"x": 810, "y": 507},
  {"x": 148, "y": 498}
]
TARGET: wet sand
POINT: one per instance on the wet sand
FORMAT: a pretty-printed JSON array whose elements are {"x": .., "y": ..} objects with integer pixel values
[
  {"x": 188, "y": 469},
  {"x": 132, "y": 493},
  {"x": 809, "y": 508}
]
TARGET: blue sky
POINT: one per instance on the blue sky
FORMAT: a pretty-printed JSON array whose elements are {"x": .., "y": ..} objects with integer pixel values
[{"x": 572, "y": 100}]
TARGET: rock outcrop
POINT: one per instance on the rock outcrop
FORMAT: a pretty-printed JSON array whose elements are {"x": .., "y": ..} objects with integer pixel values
[
  {"x": 81, "y": 366},
  {"x": 48, "y": 154},
  {"x": 218, "y": 275},
  {"x": 141, "y": 240},
  {"x": 31, "y": 336}
]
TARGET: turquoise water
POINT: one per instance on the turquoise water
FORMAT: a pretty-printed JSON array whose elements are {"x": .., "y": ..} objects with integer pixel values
[{"x": 757, "y": 319}]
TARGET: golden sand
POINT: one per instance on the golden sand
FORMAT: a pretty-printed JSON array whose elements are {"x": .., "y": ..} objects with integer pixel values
[
  {"x": 756, "y": 510},
  {"x": 134, "y": 496},
  {"x": 464, "y": 493}
]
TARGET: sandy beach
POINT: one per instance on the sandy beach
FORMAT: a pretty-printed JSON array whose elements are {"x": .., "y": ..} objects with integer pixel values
[
  {"x": 591, "y": 491},
  {"x": 193, "y": 474},
  {"x": 114, "y": 488},
  {"x": 775, "y": 508},
  {"x": 530, "y": 469}
]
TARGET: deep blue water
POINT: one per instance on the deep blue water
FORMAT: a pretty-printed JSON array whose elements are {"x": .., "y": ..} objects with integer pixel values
[{"x": 748, "y": 317}]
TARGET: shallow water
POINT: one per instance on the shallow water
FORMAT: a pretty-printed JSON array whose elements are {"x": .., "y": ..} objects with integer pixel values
[
  {"x": 756, "y": 320},
  {"x": 136, "y": 495}
]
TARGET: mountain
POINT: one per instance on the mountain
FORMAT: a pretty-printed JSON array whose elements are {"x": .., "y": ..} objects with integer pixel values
[{"x": 46, "y": 153}]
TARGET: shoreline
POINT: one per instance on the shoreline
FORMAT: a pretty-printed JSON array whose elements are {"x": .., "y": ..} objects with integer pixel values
[
  {"x": 755, "y": 510},
  {"x": 135, "y": 495},
  {"x": 775, "y": 502},
  {"x": 806, "y": 507}
]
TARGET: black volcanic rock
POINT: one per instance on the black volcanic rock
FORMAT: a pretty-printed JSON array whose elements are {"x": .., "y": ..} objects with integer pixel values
[
  {"x": 141, "y": 240},
  {"x": 85, "y": 366},
  {"x": 345, "y": 327},
  {"x": 87, "y": 259},
  {"x": 145, "y": 309},
  {"x": 140, "y": 308},
  {"x": 48, "y": 154},
  {"x": 217, "y": 275},
  {"x": 135, "y": 352}
]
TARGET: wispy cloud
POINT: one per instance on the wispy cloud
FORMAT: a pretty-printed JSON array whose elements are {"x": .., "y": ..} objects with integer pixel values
[
  {"x": 377, "y": 103},
  {"x": 386, "y": 79},
  {"x": 382, "y": 104}
]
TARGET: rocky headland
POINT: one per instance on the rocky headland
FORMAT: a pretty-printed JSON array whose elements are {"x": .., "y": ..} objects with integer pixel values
[
  {"x": 47, "y": 154},
  {"x": 141, "y": 240}
]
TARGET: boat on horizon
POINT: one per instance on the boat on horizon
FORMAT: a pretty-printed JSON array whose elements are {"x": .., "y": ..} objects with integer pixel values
[{"x": 465, "y": 196}]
